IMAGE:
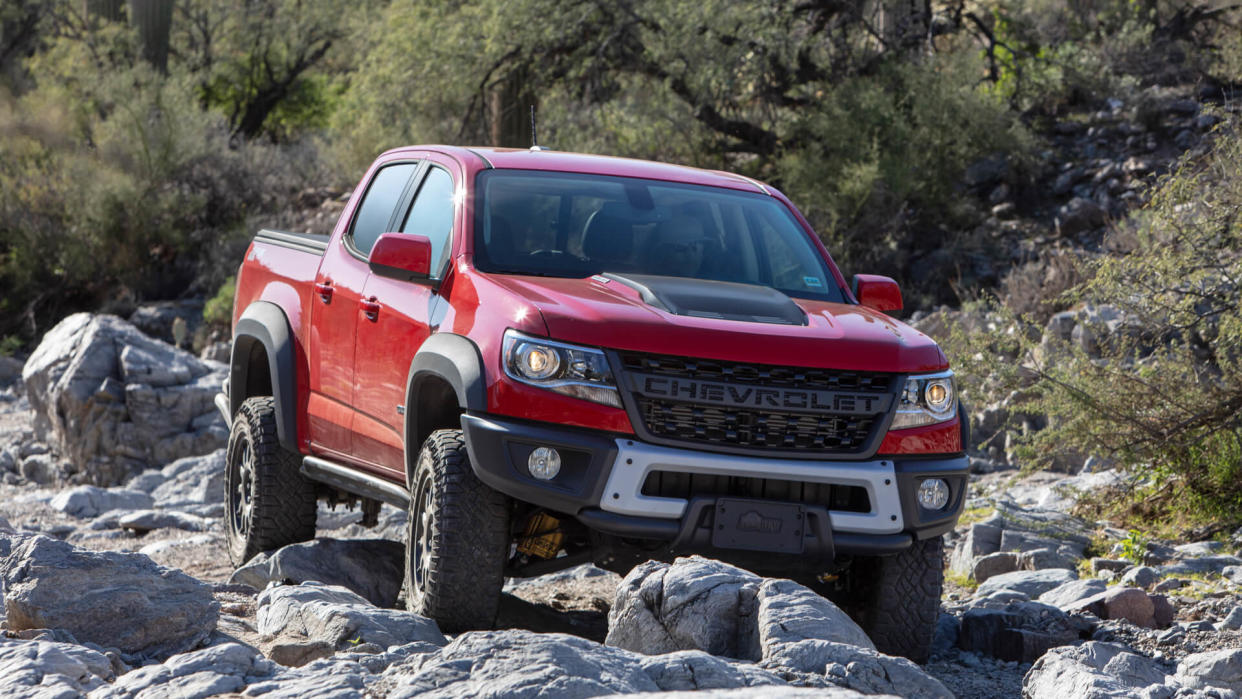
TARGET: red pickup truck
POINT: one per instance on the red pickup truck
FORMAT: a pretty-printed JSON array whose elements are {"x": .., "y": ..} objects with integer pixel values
[{"x": 552, "y": 358}]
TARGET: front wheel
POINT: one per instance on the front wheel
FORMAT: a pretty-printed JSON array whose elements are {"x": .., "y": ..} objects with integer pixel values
[
  {"x": 458, "y": 538},
  {"x": 900, "y": 611},
  {"x": 269, "y": 502}
]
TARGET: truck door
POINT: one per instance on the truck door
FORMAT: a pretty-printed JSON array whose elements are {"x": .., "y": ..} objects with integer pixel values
[
  {"x": 338, "y": 290},
  {"x": 402, "y": 315}
]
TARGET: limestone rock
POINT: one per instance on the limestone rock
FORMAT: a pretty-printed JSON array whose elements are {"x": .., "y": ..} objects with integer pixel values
[
  {"x": 191, "y": 482},
  {"x": 1093, "y": 670},
  {"x": 757, "y": 693},
  {"x": 90, "y": 501},
  {"x": 695, "y": 670},
  {"x": 318, "y": 612},
  {"x": 701, "y": 604},
  {"x": 1019, "y": 631},
  {"x": 1067, "y": 594},
  {"x": 372, "y": 568},
  {"x": 143, "y": 521},
  {"x": 994, "y": 564},
  {"x": 118, "y": 600},
  {"x": 693, "y": 604},
  {"x": 861, "y": 669},
  {"x": 1220, "y": 669},
  {"x": 1139, "y": 576},
  {"x": 517, "y": 663},
  {"x": 221, "y": 669},
  {"x": 49, "y": 669},
  {"x": 114, "y": 401},
  {"x": 1031, "y": 583}
]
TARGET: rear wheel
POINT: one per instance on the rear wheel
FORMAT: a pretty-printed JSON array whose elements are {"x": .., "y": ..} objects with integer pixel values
[
  {"x": 269, "y": 502},
  {"x": 899, "y": 611},
  {"x": 458, "y": 538}
]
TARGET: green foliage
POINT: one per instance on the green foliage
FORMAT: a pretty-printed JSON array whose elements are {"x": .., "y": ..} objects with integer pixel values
[
  {"x": 9, "y": 345},
  {"x": 219, "y": 308},
  {"x": 869, "y": 141},
  {"x": 1155, "y": 382},
  {"x": 112, "y": 177},
  {"x": 266, "y": 65},
  {"x": 1134, "y": 548}
]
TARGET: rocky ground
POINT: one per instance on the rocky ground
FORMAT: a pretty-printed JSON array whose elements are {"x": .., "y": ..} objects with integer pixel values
[{"x": 117, "y": 583}]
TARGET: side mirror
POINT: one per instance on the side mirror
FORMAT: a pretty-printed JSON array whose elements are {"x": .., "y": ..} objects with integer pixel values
[
  {"x": 403, "y": 256},
  {"x": 877, "y": 292}
]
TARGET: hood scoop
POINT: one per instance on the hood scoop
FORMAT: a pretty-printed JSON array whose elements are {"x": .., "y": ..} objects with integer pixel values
[{"x": 702, "y": 298}]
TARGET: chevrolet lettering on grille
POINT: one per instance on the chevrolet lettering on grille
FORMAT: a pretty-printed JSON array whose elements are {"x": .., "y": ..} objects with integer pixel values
[{"x": 738, "y": 396}]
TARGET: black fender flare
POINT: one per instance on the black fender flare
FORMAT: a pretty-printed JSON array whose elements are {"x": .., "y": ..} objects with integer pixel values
[
  {"x": 265, "y": 323},
  {"x": 454, "y": 359}
]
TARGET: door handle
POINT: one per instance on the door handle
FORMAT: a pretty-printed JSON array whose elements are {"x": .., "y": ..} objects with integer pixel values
[
  {"x": 324, "y": 289},
  {"x": 370, "y": 307}
]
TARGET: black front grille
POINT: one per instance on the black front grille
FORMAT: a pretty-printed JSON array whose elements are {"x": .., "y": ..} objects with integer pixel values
[
  {"x": 670, "y": 484},
  {"x": 764, "y": 374},
  {"x": 759, "y": 427},
  {"x": 754, "y": 428}
]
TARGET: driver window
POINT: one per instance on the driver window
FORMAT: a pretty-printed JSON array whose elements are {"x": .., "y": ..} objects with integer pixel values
[
  {"x": 432, "y": 216},
  {"x": 378, "y": 205}
]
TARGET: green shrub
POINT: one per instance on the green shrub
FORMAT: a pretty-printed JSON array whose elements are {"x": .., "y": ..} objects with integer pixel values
[
  {"x": 219, "y": 308},
  {"x": 1159, "y": 392}
]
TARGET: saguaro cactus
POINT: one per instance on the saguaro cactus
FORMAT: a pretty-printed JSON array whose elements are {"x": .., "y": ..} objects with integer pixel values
[{"x": 153, "y": 19}]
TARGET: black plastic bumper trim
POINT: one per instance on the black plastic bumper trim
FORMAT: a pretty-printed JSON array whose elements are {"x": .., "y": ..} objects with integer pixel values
[
  {"x": 629, "y": 526},
  {"x": 499, "y": 448},
  {"x": 920, "y": 521}
]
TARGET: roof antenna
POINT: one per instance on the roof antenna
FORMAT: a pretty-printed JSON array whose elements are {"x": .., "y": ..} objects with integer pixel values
[{"x": 534, "y": 134}]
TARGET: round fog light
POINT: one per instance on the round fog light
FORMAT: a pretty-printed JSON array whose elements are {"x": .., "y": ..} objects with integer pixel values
[
  {"x": 934, "y": 494},
  {"x": 545, "y": 463}
]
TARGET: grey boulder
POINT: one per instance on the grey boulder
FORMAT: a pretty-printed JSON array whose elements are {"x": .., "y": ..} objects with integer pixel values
[
  {"x": 190, "y": 483},
  {"x": 693, "y": 604},
  {"x": 90, "y": 501},
  {"x": 1031, "y": 583},
  {"x": 517, "y": 663},
  {"x": 221, "y": 669},
  {"x": 820, "y": 663},
  {"x": 1219, "y": 669},
  {"x": 1093, "y": 670},
  {"x": 701, "y": 604},
  {"x": 757, "y": 693},
  {"x": 689, "y": 670},
  {"x": 1018, "y": 632},
  {"x": 114, "y": 401},
  {"x": 372, "y": 568},
  {"x": 1067, "y": 594},
  {"x": 318, "y": 612},
  {"x": 48, "y": 669},
  {"x": 117, "y": 600}
]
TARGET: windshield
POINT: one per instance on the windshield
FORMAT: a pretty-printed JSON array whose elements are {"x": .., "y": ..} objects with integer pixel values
[{"x": 571, "y": 225}]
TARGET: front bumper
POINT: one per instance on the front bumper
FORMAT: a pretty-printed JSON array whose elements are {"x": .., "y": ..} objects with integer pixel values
[{"x": 602, "y": 478}]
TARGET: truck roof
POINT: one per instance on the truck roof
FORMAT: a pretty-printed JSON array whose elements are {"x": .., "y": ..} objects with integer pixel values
[{"x": 587, "y": 163}]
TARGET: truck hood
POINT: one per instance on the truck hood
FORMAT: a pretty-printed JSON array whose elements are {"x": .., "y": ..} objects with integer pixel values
[{"x": 612, "y": 312}]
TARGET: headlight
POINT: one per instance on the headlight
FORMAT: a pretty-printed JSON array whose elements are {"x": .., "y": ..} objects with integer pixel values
[
  {"x": 581, "y": 372},
  {"x": 926, "y": 400}
]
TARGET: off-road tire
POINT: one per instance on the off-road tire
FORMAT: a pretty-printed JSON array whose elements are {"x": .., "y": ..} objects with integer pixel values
[
  {"x": 900, "y": 612},
  {"x": 457, "y": 538},
  {"x": 268, "y": 502}
]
